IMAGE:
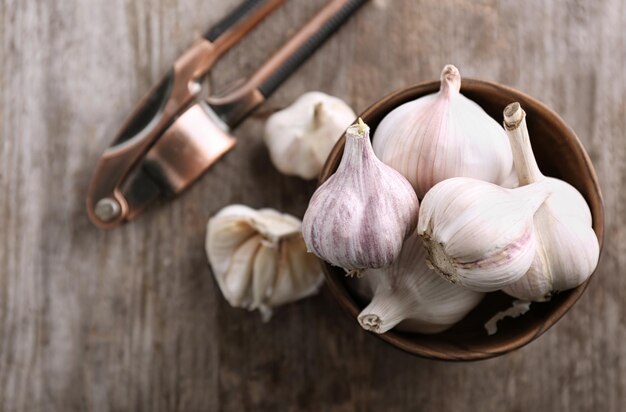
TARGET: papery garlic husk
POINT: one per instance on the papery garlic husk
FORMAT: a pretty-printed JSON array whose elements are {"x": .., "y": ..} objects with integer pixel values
[
  {"x": 259, "y": 259},
  {"x": 410, "y": 297},
  {"x": 444, "y": 135},
  {"x": 478, "y": 234},
  {"x": 568, "y": 248},
  {"x": 517, "y": 309},
  {"x": 300, "y": 137},
  {"x": 360, "y": 216}
]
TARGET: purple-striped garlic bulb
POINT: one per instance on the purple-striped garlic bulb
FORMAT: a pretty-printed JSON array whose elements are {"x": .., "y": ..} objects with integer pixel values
[
  {"x": 360, "y": 216},
  {"x": 300, "y": 137}
]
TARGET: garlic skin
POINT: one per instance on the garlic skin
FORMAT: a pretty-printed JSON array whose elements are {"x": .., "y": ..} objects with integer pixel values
[
  {"x": 361, "y": 215},
  {"x": 410, "y": 297},
  {"x": 301, "y": 136},
  {"x": 478, "y": 234},
  {"x": 517, "y": 309},
  {"x": 259, "y": 259},
  {"x": 444, "y": 135},
  {"x": 568, "y": 249}
]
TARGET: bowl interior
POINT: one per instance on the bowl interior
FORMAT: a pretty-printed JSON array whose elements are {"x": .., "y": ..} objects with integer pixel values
[{"x": 559, "y": 154}]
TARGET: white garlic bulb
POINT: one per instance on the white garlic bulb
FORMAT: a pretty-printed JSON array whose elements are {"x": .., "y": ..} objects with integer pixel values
[
  {"x": 259, "y": 259},
  {"x": 478, "y": 234},
  {"x": 361, "y": 215},
  {"x": 444, "y": 135},
  {"x": 568, "y": 249},
  {"x": 410, "y": 295},
  {"x": 301, "y": 136}
]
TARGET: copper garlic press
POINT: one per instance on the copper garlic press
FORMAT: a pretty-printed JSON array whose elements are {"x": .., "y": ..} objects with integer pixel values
[{"x": 173, "y": 135}]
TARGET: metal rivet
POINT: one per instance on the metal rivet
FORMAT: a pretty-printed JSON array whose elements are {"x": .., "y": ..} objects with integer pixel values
[{"x": 107, "y": 209}]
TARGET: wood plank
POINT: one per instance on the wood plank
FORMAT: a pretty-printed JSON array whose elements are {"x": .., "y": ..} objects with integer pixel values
[{"x": 132, "y": 319}]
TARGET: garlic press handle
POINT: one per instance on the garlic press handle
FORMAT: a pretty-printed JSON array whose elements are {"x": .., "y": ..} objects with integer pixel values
[
  {"x": 282, "y": 64},
  {"x": 235, "y": 107}
]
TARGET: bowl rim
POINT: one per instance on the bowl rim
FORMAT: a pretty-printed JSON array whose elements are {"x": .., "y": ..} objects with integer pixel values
[{"x": 400, "y": 341}]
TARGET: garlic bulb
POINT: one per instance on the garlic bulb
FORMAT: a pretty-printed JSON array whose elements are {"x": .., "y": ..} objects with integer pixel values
[
  {"x": 360, "y": 216},
  {"x": 410, "y": 295},
  {"x": 478, "y": 234},
  {"x": 259, "y": 259},
  {"x": 568, "y": 249},
  {"x": 444, "y": 135},
  {"x": 301, "y": 136}
]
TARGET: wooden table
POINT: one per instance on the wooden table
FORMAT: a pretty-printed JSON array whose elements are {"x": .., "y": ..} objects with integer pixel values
[{"x": 132, "y": 319}]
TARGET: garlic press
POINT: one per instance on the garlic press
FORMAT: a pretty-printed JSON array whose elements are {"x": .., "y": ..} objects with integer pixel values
[{"x": 174, "y": 134}]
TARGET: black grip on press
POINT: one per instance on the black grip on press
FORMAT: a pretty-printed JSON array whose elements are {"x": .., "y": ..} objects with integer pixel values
[
  {"x": 228, "y": 21},
  {"x": 314, "y": 42}
]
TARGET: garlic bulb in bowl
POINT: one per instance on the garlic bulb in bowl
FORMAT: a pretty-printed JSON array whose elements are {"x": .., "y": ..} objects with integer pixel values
[
  {"x": 478, "y": 234},
  {"x": 568, "y": 249},
  {"x": 444, "y": 135},
  {"x": 360, "y": 216},
  {"x": 412, "y": 296},
  {"x": 259, "y": 259},
  {"x": 301, "y": 136}
]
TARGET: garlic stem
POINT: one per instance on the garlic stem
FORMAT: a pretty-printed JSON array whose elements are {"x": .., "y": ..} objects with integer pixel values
[
  {"x": 534, "y": 196},
  {"x": 358, "y": 150},
  {"x": 525, "y": 164},
  {"x": 384, "y": 312},
  {"x": 450, "y": 80},
  {"x": 358, "y": 129},
  {"x": 319, "y": 116}
]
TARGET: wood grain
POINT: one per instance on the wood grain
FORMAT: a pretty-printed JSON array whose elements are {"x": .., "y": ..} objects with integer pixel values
[{"x": 132, "y": 319}]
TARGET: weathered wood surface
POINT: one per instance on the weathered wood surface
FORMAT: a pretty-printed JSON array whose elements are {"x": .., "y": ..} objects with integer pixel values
[{"x": 132, "y": 320}]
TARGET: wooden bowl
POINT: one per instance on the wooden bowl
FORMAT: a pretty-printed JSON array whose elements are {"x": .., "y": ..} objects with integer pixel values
[{"x": 559, "y": 154}]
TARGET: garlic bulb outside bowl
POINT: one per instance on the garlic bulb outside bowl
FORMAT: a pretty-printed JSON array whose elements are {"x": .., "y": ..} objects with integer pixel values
[
  {"x": 300, "y": 137},
  {"x": 559, "y": 154},
  {"x": 259, "y": 259}
]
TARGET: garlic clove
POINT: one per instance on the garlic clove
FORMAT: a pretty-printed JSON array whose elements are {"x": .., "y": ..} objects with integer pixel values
[
  {"x": 239, "y": 274},
  {"x": 361, "y": 215},
  {"x": 301, "y": 136},
  {"x": 577, "y": 256},
  {"x": 568, "y": 249},
  {"x": 444, "y": 135},
  {"x": 275, "y": 226},
  {"x": 478, "y": 234},
  {"x": 411, "y": 297},
  {"x": 230, "y": 230},
  {"x": 265, "y": 270},
  {"x": 298, "y": 266},
  {"x": 531, "y": 288},
  {"x": 259, "y": 259}
]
